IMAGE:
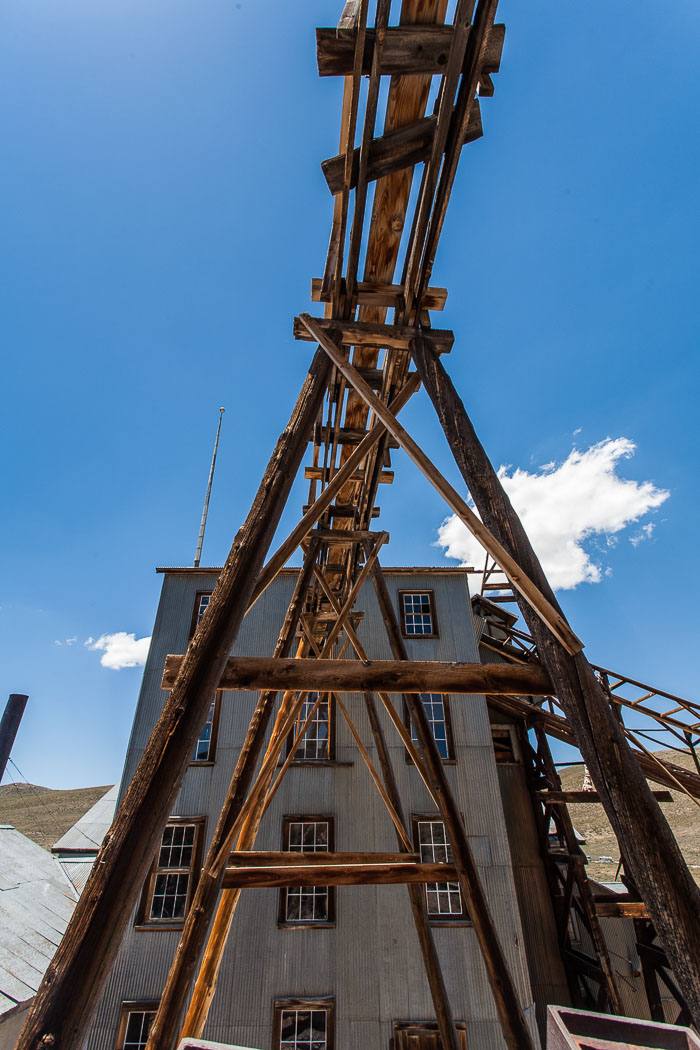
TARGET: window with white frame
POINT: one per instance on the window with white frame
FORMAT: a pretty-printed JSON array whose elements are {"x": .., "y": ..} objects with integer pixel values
[
  {"x": 171, "y": 882},
  {"x": 418, "y": 614},
  {"x": 315, "y": 745},
  {"x": 201, "y": 604},
  {"x": 438, "y": 714},
  {"x": 205, "y": 747},
  {"x": 443, "y": 899},
  {"x": 303, "y": 1024},
  {"x": 307, "y": 905},
  {"x": 134, "y": 1024}
]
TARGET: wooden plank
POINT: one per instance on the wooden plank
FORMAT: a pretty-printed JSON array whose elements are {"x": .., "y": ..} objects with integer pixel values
[
  {"x": 63, "y": 1007},
  {"x": 395, "y": 150},
  {"x": 407, "y": 49},
  {"x": 389, "y": 676},
  {"x": 661, "y": 875},
  {"x": 338, "y": 875},
  {"x": 373, "y": 293},
  {"x": 477, "y": 46},
  {"x": 568, "y": 798},
  {"x": 608, "y": 909},
  {"x": 344, "y": 436},
  {"x": 518, "y": 578},
  {"x": 280, "y": 858},
  {"x": 363, "y": 333},
  {"x": 386, "y": 477}
]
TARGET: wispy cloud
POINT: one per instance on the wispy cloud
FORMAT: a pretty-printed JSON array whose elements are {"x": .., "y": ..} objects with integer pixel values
[
  {"x": 67, "y": 641},
  {"x": 563, "y": 506},
  {"x": 120, "y": 650}
]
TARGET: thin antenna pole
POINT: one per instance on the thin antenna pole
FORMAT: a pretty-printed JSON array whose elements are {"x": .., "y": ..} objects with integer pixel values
[{"x": 203, "y": 525}]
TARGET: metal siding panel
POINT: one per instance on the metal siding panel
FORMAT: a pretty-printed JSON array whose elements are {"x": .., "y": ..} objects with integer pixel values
[{"x": 370, "y": 961}]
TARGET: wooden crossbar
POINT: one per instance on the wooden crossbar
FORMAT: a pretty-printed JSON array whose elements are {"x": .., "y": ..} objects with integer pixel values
[{"x": 389, "y": 676}]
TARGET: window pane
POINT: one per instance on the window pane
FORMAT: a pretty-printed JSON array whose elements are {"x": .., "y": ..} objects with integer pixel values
[
  {"x": 137, "y": 1026},
  {"x": 417, "y": 613},
  {"x": 202, "y": 607},
  {"x": 442, "y": 898},
  {"x": 434, "y": 706},
  {"x": 203, "y": 746},
  {"x": 315, "y": 742},
  {"x": 304, "y": 1029},
  {"x": 307, "y": 903}
]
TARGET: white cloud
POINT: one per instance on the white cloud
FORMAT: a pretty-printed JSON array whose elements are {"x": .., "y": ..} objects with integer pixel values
[
  {"x": 564, "y": 506},
  {"x": 120, "y": 650},
  {"x": 645, "y": 533}
]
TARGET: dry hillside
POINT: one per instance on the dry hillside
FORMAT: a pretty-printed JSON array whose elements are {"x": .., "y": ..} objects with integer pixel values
[
  {"x": 683, "y": 815},
  {"x": 42, "y": 814}
]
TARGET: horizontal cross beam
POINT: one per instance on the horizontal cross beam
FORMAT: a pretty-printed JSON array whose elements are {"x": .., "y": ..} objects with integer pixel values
[
  {"x": 375, "y": 293},
  {"x": 405, "y": 49},
  {"x": 396, "y": 150},
  {"x": 363, "y": 333},
  {"x": 279, "y": 858},
  {"x": 575, "y": 798},
  {"x": 338, "y": 875},
  {"x": 387, "y": 676}
]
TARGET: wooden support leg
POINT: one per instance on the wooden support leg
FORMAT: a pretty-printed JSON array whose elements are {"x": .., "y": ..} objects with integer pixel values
[
  {"x": 660, "y": 873},
  {"x": 71, "y": 988},
  {"x": 211, "y": 963},
  {"x": 614, "y": 1004},
  {"x": 431, "y": 961},
  {"x": 165, "y": 1029},
  {"x": 513, "y": 1025}
]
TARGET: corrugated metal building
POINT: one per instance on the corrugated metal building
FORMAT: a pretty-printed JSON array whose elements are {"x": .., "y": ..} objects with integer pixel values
[{"x": 346, "y": 966}]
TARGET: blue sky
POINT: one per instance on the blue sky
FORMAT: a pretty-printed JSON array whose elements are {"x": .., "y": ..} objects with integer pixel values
[{"x": 162, "y": 213}]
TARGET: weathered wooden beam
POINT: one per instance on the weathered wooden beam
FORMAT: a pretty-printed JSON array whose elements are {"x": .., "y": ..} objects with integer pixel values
[
  {"x": 62, "y": 1009},
  {"x": 510, "y": 1012},
  {"x": 389, "y": 676},
  {"x": 363, "y": 333},
  {"x": 661, "y": 875},
  {"x": 575, "y": 798},
  {"x": 373, "y": 293},
  {"x": 282, "y": 858},
  {"x": 416, "y": 896},
  {"x": 395, "y": 150},
  {"x": 519, "y": 579},
  {"x": 338, "y": 875},
  {"x": 611, "y": 909},
  {"x": 386, "y": 477},
  {"x": 165, "y": 1030},
  {"x": 406, "y": 49}
]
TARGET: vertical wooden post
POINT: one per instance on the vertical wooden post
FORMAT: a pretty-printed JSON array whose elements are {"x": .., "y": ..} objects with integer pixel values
[
  {"x": 436, "y": 982},
  {"x": 12, "y": 716},
  {"x": 510, "y": 1013},
  {"x": 657, "y": 865},
  {"x": 73, "y": 983},
  {"x": 166, "y": 1025}
]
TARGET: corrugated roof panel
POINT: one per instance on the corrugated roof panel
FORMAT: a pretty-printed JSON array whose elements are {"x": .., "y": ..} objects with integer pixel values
[
  {"x": 88, "y": 832},
  {"x": 36, "y": 903}
]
